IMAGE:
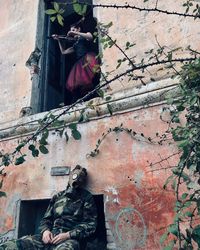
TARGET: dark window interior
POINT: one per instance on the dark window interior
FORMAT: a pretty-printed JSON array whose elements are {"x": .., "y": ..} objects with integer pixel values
[
  {"x": 32, "y": 211},
  {"x": 55, "y": 67}
]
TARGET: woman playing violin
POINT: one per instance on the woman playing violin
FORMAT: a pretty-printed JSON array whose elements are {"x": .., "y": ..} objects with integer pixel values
[{"x": 80, "y": 79}]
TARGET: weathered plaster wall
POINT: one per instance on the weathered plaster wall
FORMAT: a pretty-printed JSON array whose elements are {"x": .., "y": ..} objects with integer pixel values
[
  {"x": 136, "y": 207},
  {"x": 142, "y": 28},
  {"x": 18, "y": 19},
  {"x": 18, "y": 25}
]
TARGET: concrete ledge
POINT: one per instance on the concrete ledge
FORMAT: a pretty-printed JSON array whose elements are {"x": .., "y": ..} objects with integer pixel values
[{"x": 126, "y": 101}]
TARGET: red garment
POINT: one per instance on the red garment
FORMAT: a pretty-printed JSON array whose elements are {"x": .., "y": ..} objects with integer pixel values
[{"x": 82, "y": 73}]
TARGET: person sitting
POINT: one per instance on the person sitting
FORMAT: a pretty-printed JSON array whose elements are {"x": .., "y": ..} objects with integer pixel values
[{"x": 70, "y": 218}]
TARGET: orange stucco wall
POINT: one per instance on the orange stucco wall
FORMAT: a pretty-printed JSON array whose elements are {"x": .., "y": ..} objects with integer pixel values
[
  {"x": 18, "y": 21},
  {"x": 136, "y": 207},
  {"x": 146, "y": 30}
]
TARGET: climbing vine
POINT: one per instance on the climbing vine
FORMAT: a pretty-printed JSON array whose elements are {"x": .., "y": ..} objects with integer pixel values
[
  {"x": 140, "y": 137},
  {"x": 186, "y": 174}
]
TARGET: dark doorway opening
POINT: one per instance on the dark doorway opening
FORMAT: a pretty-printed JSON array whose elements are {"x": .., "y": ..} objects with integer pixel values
[
  {"x": 55, "y": 67},
  {"x": 32, "y": 211},
  {"x": 30, "y": 215}
]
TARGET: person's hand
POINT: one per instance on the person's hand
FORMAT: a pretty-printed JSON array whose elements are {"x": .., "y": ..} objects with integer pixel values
[
  {"x": 47, "y": 237},
  {"x": 60, "y": 238},
  {"x": 55, "y": 37},
  {"x": 72, "y": 33}
]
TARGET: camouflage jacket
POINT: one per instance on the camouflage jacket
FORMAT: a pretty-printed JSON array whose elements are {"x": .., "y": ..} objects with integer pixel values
[{"x": 72, "y": 211}]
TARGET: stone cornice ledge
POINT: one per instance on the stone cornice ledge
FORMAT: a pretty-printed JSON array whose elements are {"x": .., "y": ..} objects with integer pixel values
[{"x": 128, "y": 100}]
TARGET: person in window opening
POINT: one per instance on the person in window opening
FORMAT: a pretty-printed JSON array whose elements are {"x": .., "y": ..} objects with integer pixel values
[
  {"x": 82, "y": 74},
  {"x": 70, "y": 217}
]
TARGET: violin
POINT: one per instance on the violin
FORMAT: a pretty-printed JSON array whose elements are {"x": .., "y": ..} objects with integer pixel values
[{"x": 68, "y": 38}]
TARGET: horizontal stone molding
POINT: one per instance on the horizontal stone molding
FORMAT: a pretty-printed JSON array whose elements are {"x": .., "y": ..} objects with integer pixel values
[{"x": 126, "y": 101}]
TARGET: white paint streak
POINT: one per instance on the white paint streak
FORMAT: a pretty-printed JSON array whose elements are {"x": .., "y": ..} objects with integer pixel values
[
  {"x": 138, "y": 176},
  {"x": 112, "y": 190}
]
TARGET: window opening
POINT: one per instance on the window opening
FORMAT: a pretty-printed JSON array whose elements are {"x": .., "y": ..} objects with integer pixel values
[
  {"x": 30, "y": 214},
  {"x": 55, "y": 67},
  {"x": 32, "y": 211}
]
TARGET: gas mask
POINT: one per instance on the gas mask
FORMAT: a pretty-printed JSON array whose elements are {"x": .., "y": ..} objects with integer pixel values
[{"x": 77, "y": 177}]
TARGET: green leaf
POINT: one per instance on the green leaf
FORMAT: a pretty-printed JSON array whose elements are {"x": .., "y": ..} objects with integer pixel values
[
  {"x": 1, "y": 184},
  {"x": 187, "y": 204},
  {"x": 185, "y": 177},
  {"x": 56, "y": 6},
  {"x": 84, "y": 9},
  {"x": 53, "y": 18},
  {"x": 188, "y": 214},
  {"x": 163, "y": 237},
  {"x": 20, "y": 160},
  {"x": 108, "y": 98},
  {"x": 108, "y": 25},
  {"x": 196, "y": 235},
  {"x": 180, "y": 108},
  {"x": 173, "y": 229},
  {"x": 45, "y": 134},
  {"x": 76, "y": 134},
  {"x": 58, "y": 123},
  {"x": 60, "y": 19},
  {"x": 21, "y": 145},
  {"x": 31, "y": 147},
  {"x": 2, "y": 194},
  {"x": 193, "y": 100},
  {"x": 119, "y": 63},
  {"x": 81, "y": 118},
  {"x": 80, "y": 9},
  {"x": 35, "y": 152},
  {"x": 50, "y": 11},
  {"x": 191, "y": 185},
  {"x": 6, "y": 160},
  {"x": 77, "y": 7},
  {"x": 174, "y": 184},
  {"x": 43, "y": 149},
  {"x": 44, "y": 137},
  {"x": 170, "y": 178},
  {"x": 183, "y": 143},
  {"x": 43, "y": 141},
  {"x": 169, "y": 56},
  {"x": 176, "y": 119},
  {"x": 184, "y": 196},
  {"x": 72, "y": 126},
  {"x": 109, "y": 109},
  {"x": 100, "y": 93}
]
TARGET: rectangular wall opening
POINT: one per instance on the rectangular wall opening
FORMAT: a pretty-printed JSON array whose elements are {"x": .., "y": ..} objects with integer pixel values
[
  {"x": 32, "y": 211},
  {"x": 55, "y": 67},
  {"x": 30, "y": 214}
]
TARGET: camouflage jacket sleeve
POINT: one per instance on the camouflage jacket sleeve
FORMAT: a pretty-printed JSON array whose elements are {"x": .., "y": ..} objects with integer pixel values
[
  {"x": 47, "y": 221},
  {"x": 88, "y": 225}
]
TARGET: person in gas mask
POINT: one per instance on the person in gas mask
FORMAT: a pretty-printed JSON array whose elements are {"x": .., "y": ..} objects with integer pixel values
[{"x": 70, "y": 217}]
